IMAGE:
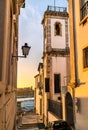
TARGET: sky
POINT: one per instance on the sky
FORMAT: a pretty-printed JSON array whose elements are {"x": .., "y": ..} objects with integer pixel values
[{"x": 31, "y": 31}]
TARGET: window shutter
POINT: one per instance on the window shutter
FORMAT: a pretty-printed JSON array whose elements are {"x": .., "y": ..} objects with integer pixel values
[
  {"x": 57, "y": 86},
  {"x": 47, "y": 84}
]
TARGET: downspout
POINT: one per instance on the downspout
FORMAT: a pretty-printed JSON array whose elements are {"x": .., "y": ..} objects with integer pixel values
[
  {"x": 75, "y": 58},
  {"x": 75, "y": 43}
]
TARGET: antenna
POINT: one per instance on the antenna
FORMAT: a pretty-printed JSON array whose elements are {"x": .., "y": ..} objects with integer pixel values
[{"x": 54, "y": 5}]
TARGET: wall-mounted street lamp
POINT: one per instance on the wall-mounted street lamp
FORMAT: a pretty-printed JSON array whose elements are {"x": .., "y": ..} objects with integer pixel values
[{"x": 25, "y": 51}]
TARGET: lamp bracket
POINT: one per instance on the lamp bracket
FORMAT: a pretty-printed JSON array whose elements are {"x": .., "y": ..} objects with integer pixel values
[{"x": 19, "y": 56}]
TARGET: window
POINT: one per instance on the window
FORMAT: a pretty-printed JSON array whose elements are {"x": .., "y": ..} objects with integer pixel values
[
  {"x": 83, "y": 8},
  {"x": 57, "y": 83},
  {"x": 47, "y": 85},
  {"x": 58, "y": 29},
  {"x": 85, "y": 57}
]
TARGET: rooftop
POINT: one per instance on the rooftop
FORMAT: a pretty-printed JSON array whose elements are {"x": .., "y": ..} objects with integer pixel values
[{"x": 56, "y": 9}]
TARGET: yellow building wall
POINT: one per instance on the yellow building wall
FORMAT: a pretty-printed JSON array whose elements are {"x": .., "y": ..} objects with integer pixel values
[
  {"x": 82, "y": 42},
  {"x": 81, "y": 90}
]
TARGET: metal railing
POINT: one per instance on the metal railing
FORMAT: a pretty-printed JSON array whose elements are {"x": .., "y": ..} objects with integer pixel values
[
  {"x": 55, "y": 108},
  {"x": 84, "y": 10},
  {"x": 57, "y": 9}
]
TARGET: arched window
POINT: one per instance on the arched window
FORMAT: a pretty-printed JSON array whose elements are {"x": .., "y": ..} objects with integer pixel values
[{"x": 58, "y": 29}]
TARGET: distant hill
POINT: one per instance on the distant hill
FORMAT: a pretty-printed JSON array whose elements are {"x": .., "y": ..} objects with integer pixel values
[{"x": 25, "y": 92}]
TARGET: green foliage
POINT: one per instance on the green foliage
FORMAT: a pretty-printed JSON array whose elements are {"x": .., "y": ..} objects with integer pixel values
[{"x": 18, "y": 104}]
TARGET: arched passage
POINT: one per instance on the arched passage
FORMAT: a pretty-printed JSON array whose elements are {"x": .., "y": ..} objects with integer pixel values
[{"x": 69, "y": 109}]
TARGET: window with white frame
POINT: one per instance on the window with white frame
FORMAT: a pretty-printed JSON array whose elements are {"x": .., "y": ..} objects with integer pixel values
[{"x": 85, "y": 57}]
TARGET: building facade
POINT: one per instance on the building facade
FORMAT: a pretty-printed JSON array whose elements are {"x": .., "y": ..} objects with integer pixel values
[
  {"x": 39, "y": 91},
  {"x": 9, "y": 11},
  {"x": 55, "y": 61},
  {"x": 78, "y": 86}
]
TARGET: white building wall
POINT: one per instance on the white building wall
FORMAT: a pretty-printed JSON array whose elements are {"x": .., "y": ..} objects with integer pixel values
[
  {"x": 58, "y": 41},
  {"x": 58, "y": 67}
]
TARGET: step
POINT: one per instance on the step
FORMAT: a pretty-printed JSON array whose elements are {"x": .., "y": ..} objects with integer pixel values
[{"x": 24, "y": 126}]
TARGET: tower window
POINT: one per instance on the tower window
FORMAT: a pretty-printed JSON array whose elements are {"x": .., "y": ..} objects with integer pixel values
[{"x": 58, "y": 29}]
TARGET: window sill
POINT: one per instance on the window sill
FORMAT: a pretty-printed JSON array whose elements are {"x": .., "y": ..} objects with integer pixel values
[
  {"x": 57, "y": 35},
  {"x": 84, "y": 20},
  {"x": 85, "y": 69}
]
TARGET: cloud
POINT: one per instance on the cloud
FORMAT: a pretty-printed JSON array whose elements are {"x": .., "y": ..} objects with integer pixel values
[
  {"x": 30, "y": 31},
  {"x": 30, "y": 12},
  {"x": 30, "y": 20}
]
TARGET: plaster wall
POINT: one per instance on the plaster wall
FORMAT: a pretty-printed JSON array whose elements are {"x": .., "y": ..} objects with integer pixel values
[
  {"x": 82, "y": 42},
  {"x": 8, "y": 70},
  {"x": 58, "y": 41},
  {"x": 37, "y": 102},
  {"x": 58, "y": 67},
  {"x": 45, "y": 108},
  {"x": 37, "y": 95},
  {"x": 81, "y": 91},
  {"x": 82, "y": 116}
]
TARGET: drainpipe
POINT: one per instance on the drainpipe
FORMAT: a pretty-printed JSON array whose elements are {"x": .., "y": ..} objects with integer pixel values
[
  {"x": 75, "y": 44},
  {"x": 75, "y": 57}
]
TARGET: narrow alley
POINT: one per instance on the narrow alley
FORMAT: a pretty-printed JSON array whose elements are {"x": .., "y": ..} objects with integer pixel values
[{"x": 43, "y": 64}]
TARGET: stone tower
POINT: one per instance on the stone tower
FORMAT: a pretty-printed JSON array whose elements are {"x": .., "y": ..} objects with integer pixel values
[{"x": 55, "y": 56}]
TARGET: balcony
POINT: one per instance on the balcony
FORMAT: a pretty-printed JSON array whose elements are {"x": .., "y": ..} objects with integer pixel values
[
  {"x": 55, "y": 108},
  {"x": 84, "y": 10},
  {"x": 57, "y": 9}
]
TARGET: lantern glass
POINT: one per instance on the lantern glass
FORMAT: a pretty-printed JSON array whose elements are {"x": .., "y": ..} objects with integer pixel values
[{"x": 25, "y": 49}]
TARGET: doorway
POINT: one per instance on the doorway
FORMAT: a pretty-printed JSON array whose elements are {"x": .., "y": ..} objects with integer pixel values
[{"x": 69, "y": 109}]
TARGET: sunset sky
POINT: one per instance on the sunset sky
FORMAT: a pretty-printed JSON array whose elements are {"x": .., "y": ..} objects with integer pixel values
[{"x": 31, "y": 32}]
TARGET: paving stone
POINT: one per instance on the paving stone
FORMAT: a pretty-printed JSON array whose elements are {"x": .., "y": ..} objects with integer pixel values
[{"x": 31, "y": 121}]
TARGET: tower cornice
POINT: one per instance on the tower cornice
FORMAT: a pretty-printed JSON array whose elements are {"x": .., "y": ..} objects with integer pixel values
[{"x": 55, "y": 11}]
